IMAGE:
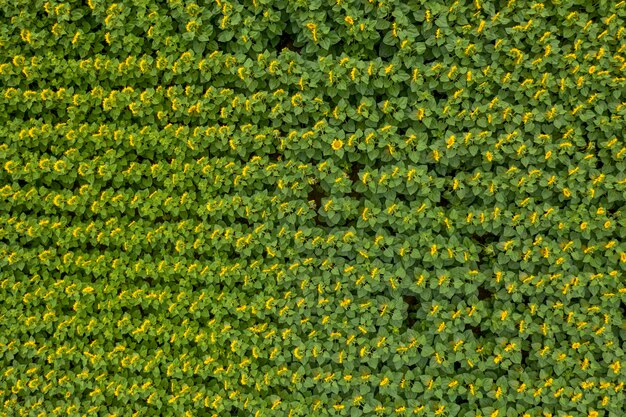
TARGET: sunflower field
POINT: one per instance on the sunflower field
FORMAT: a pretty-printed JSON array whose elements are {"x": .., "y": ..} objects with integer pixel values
[{"x": 302, "y": 208}]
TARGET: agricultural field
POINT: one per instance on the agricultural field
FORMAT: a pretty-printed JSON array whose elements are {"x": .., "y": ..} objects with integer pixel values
[{"x": 289, "y": 208}]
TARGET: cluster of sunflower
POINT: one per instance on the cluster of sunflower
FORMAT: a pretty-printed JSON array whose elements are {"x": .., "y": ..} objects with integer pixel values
[{"x": 323, "y": 208}]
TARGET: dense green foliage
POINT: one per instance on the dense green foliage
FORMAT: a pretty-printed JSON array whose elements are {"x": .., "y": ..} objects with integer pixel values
[{"x": 312, "y": 208}]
